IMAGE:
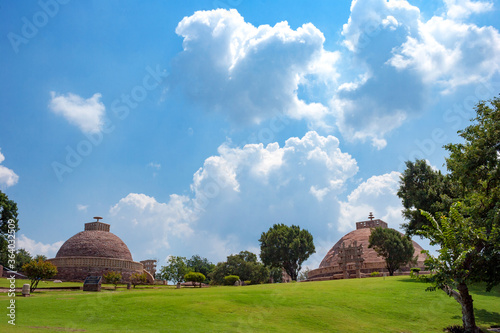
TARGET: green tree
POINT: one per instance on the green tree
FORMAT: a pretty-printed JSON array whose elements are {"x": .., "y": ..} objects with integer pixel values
[
  {"x": 8, "y": 212},
  {"x": 276, "y": 274},
  {"x": 194, "y": 277},
  {"x": 200, "y": 265},
  {"x": 286, "y": 247},
  {"x": 175, "y": 270},
  {"x": 37, "y": 271},
  {"x": 426, "y": 188},
  {"x": 40, "y": 256},
  {"x": 395, "y": 248},
  {"x": 454, "y": 266},
  {"x": 230, "y": 280},
  {"x": 138, "y": 279},
  {"x": 244, "y": 265},
  {"x": 113, "y": 278},
  {"x": 23, "y": 257},
  {"x": 473, "y": 179}
]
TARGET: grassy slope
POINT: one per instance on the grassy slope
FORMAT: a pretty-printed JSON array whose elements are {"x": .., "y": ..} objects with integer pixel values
[{"x": 395, "y": 304}]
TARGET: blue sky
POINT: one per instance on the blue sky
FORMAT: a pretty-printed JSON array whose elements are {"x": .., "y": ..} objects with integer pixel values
[{"x": 193, "y": 127}]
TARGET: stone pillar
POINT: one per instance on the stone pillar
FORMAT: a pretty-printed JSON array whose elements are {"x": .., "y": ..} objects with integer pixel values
[
  {"x": 129, "y": 286},
  {"x": 26, "y": 290},
  {"x": 178, "y": 285}
]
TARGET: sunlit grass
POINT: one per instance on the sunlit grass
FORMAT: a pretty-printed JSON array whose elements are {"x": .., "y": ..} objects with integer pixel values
[{"x": 393, "y": 304}]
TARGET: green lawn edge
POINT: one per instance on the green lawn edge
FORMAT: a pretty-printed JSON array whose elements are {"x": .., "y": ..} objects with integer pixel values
[{"x": 391, "y": 304}]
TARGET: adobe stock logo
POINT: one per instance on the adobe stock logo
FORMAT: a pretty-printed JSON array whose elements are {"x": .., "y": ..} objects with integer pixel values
[{"x": 30, "y": 28}]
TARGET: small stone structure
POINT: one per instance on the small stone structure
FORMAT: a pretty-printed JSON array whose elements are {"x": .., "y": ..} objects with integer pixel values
[
  {"x": 351, "y": 254},
  {"x": 149, "y": 265},
  {"x": 92, "y": 283},
  {"x": 26, "y": 290},
  {"x": 93, "y": 252}
]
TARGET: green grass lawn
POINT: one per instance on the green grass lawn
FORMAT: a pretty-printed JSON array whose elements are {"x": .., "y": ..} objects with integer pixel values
[
  {"x": 49, "y": 284},
  {"x": 393, "y": 304},
  {"x": 42, "y": 284}
]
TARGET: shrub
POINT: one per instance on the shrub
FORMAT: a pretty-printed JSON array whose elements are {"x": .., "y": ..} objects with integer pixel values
[
  {"x": 454, "y": 329},
  {"x": 247, "y": 282},
  {"x": 374, "y": 274},
  {"x": 230, "y": 280},
  {"x": 195, "y": 277},
  {"x": 137, "y": 279},
  {"x": 414, "y": 271},
  {"x": 38, "y": 270},
  {"x": 112, "y": 277}
]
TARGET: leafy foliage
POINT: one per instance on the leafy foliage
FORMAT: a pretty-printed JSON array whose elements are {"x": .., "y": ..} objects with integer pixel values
[
  {"x": 195, "y": 277},
  {"x": 461, "y": 210},
  {"x": 414, "y": 272},
  {"x": 456, "y": 265},
  {"x": 40, "y": 256},
  {"x": 425, "y": 188},
  {"x": 23, "y": 257},
  {"x": 138, "y": 279},
  {"x": 113, "y": 277},
  {"x": 244, "y": 265},
  {"x": 276, "y": 273},
  {"x": 175, "y": 270},
  {"x": 286, "y": 247},
  {"x": 37, "y": 271},
  {"x": 230, "y": 280},
  {"x": 8, "y": 211},
  {"x": 396, "y": 249},
  {"x": 200, "y": 265}
]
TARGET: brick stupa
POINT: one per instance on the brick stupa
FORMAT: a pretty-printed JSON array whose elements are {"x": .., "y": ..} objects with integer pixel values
[
  {"x": 93, "y": 252},
  {"x": 369, "y": 261}
]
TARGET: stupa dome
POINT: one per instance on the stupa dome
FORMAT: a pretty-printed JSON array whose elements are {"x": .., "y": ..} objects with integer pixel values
[
  {"x": 361, "y": 236},
  {"x": 95, "y": 243},
  {"x": 368, "y": 261},
  {"x": 93, "y": 252}
]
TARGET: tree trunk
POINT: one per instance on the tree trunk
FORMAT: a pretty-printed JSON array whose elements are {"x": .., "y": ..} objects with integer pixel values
[
  {"x": 467, "y": 309},
  {"x": 390, "y": 269}
]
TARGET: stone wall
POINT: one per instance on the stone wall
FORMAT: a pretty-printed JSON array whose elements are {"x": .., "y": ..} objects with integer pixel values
[
  {"x": 330, "y": 272},
  {"x": 78, "y": 268}
]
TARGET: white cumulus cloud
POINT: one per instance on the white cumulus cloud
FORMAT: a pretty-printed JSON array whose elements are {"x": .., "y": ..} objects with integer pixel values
[
  {"x": 88, "y": 114},
  {"x": 7, "y": 176},
  {"x": 151, "y": 222},
  {"x": 35, "y": 248},
  {"x": 402, "y": 58},
  {"x": 396, "y": 59},
  {"x": 250, "y": 73},
  {"x": 459, "y": 9},
  {"x": 82, "y": 208},
  {"x": 241, "y": 192},
  {"x": 378, "y": 195}
]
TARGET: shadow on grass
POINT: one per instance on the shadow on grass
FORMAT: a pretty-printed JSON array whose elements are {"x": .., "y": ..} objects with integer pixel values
[
  {"x": 487, "y": 317},
  {"x": 414, "y": 281},
  {"x": 478, "y": 289},
  {"x": 484, "y": 317}
]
